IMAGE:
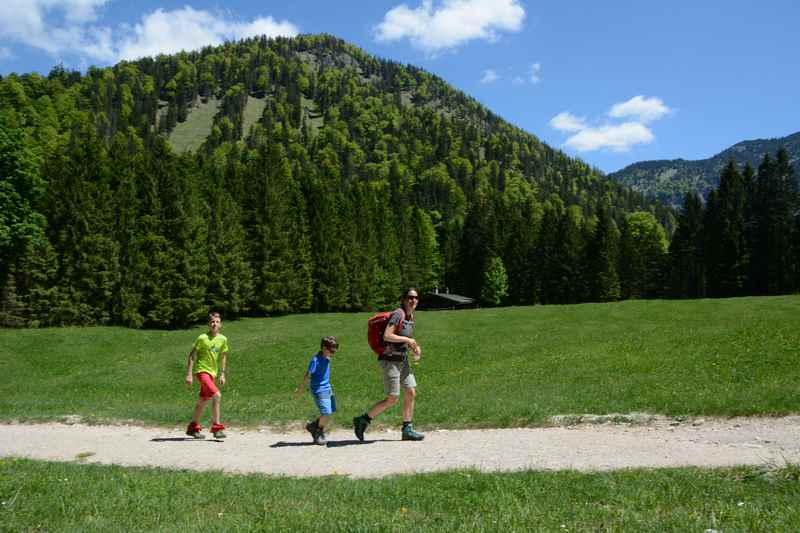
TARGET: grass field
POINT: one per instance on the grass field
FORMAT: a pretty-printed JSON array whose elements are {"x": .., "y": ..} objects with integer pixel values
[
  {"x": 187, "y": 136},
  {"x": 500, "y": 367},
  {"x": 481, "y": 368},
  {"x": 253, "y": 110},
  {"x": 39, "y": 496}
]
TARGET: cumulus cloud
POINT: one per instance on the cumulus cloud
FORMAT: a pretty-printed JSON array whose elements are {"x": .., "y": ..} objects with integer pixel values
[
  {"x": 489, "y": 76},
  {"x": 451, "y": 23},
  {"x": 617, "y": 137},
  {"x": 535, "y": 73},
  {"x": 55, "y": 26},
  {"x": 166, "y": 32},
  {"x": 62, "y": 27},
  {"x": 566, "y": 121},
  {"x": 640, "y": 108}
]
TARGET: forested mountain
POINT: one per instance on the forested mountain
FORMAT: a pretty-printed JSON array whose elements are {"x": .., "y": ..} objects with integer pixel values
[
  {"x": 287, "y": 175},
  {"x": 669, "y": 180}
]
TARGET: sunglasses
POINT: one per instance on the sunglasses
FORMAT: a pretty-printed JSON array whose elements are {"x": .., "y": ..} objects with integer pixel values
[{"x": 412, "y": 297}]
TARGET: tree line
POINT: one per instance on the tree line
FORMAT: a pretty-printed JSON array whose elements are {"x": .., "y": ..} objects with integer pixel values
[
  {"x": 360, "y": 176},
  {"x": 745, "y": 240}
]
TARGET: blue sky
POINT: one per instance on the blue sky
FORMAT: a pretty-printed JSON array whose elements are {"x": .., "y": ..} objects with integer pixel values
[{"x": 609, "y": 82}]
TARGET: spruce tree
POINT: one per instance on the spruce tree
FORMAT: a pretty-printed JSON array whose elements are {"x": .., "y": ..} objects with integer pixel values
[
  {"x": 279, "y": 248},
  {"x": 602, "y": 250},
  {"x": 726, "y": 237},
  {"x": 229, "y": 285},
  {"x": 686, "y": 263},
  {"x": 21, "y": 189},
  {"x": 495, "y": 283}
]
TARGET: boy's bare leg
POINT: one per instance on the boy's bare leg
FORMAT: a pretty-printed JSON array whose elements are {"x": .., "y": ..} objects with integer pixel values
[
  {"x": 198, "y": 410},
  {"x": 382, "y": 405},
  {"x": 215, "y": 401},
  {"x": 408, "y": 404},
  {"x": 322, "y": 421}
]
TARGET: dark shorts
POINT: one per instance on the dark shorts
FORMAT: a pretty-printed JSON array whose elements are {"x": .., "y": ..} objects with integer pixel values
[{"x": 207, "y": 386}]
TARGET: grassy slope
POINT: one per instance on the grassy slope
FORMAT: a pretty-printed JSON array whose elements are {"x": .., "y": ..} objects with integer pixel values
[
  {"x": 253, "y": 111},
  {"x": 190, "y": 134},
  {"x": 59, "y": 497},
  {"x": 493, "y": 367}
]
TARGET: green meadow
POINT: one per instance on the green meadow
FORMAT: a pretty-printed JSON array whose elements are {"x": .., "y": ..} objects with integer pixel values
[
  {"x": 190, "y": 134},
  {"x": 38, "y": 496},
  {"x": 500, "y": 367},
  {"x": 481, "y": 368}
]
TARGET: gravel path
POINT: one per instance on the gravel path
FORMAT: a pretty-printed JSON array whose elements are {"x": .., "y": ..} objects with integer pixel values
[{"x": 658, "y": 443}]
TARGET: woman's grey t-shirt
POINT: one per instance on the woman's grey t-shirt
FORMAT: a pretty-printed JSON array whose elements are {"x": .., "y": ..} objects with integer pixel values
[{"x": 405, "y": 329}]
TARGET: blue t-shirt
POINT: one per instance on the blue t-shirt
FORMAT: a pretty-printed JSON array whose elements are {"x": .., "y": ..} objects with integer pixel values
[{"x": 320, "y": 371}]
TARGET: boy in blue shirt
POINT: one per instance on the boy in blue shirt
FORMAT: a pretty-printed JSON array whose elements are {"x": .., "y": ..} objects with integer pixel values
[{"x": 318, "y": 376}]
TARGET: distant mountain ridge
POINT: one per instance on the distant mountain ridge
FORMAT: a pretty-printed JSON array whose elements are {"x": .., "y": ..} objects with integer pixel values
[{"x": 669, "y": 180}]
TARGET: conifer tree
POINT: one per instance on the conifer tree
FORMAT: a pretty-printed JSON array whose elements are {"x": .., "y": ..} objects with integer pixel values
[
  {"x": 495, "y": 283},
  {"x": 427, "y": 257},
  {"x": 128, "y": 163},
  {"x": 687, "y": 266},
  {"x": 277, "y": 226},
  {"x": 181, "y": 244},
  {"x": 21, "y": 188},
  {"x": 602, "y": 250},
  {"x": 79, "y": 209},
  {"x": 725, "y": 236},
  {"x": 776, "y": 192},
  {"x": 546, "y": 256},
  {"x": 229, "y": 285}
]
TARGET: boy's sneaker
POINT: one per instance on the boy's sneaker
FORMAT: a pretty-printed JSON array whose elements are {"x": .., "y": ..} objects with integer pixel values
[
  {"x": 410, "y": 434},
  {"x": 319, "y": 438},
  {"x": 360, "y": 425},
  {"x": 313, "y": 428},
  {"x": 193, "y": 430},
  {"x": 216, "y": 430}
]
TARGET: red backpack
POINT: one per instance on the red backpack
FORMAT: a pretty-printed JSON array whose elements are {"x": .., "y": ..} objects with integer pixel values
[{"x": 376, "y": 325}]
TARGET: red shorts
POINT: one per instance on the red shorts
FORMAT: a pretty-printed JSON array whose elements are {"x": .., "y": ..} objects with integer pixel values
[{"x": 207, "y": 386}]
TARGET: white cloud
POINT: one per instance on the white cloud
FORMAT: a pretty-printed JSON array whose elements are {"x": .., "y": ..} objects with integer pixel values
[
  {"x": 166, "y": 32},
  {"x": 450, "y": 24},
  {"x": 489, "y": 76},
  {"x": 62, "y": 27},
  {"x": 535, "y": 73},
  {"x": 566, "y": 121},
  {"x": 54, "y": 26},
  {"x": 640, "y": 108},
  {"x": 616, "y": 137}
]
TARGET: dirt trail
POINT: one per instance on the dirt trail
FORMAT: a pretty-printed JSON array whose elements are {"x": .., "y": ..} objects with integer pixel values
[{"x": 659, "y": 443}]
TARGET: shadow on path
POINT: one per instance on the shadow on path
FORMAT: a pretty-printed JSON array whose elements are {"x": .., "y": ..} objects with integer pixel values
[
  {"x": 183, "y": 439},
  {"x": 329, "y": 444}
]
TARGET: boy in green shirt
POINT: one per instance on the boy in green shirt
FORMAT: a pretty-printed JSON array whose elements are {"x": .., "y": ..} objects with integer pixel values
[{"x": 209, "y": 353}]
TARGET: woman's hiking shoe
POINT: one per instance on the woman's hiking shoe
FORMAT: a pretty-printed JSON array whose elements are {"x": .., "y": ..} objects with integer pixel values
[
  {"x": 360, "y": 425},
  {"x": 216, "y": 430},
  {"x": 193, "y": 430},
  {"x": 410, "y": 434}
]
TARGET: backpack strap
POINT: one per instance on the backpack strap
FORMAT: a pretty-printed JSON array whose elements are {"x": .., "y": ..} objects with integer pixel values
[{"x": 383, "y": 356}]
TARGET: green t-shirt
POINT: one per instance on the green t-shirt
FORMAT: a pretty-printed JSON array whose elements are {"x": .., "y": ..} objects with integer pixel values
[{"x": 208, "y": 351}]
